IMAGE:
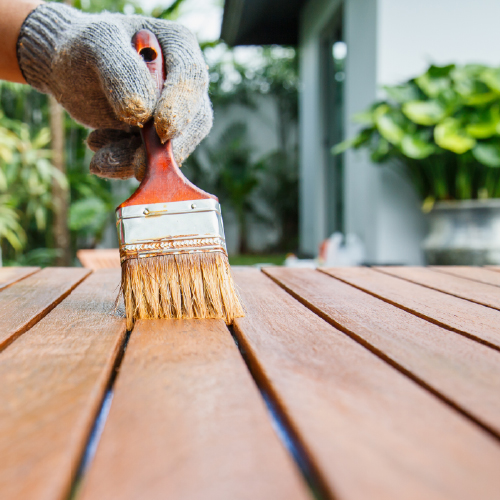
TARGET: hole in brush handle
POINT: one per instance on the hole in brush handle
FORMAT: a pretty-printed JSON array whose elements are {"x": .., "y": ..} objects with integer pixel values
[
  {"x": 148, "y": 54},
  {"x": 147, "y": 46}
]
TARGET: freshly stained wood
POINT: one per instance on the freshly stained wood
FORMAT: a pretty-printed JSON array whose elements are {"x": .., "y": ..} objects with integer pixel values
[
  {"x": 369, "y": 431},
  {"x": 26, "y": 302},
  {"x": 460, "y": 370},
  {"x": 481, "y": 293},
  {"x": 480, "y": 274},
  {"x": 187, "y": 422},
  {"x": 474, "y": 320},
  {"x": 10, "y": 275},
  {"x": 52, "y": 380}
]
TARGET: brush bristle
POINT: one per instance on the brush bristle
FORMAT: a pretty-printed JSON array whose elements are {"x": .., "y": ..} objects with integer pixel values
[{"x": 180, "y": 286}]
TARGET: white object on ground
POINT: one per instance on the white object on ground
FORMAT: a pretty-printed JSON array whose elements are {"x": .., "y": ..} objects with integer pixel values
[{"x": 340, "y": 251}]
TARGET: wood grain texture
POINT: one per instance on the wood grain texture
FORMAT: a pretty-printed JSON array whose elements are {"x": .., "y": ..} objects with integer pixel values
[
  {"x": 480, "y": 274},
  {"x": 460, "y": 370},
  {"x": 473, "y": 320},
  {"x": 370, "y": 431},
  {"x": 11, "y": 275},
  {"x": 187, "y": 423},
  {"x": 52, "y": 380},
  {"x": 481, "y": 293},
  {"x": 26, "y": 302}
]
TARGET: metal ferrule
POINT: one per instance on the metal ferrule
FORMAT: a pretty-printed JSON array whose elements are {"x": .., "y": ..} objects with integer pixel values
[{"x": 170, "y": 228}]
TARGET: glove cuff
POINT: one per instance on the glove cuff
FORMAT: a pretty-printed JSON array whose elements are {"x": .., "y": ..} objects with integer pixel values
[{"x": 38, "y": 38}]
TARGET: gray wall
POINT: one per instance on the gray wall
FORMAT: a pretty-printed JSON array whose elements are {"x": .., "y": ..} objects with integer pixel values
[{"x": 312, "y": 172}]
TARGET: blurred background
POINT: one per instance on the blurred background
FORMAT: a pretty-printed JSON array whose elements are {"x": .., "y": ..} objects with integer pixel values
[{"x": 346, "y": 132}]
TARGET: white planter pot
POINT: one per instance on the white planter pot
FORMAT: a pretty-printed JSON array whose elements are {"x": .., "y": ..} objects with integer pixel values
[{"x": 464, "y": 233}]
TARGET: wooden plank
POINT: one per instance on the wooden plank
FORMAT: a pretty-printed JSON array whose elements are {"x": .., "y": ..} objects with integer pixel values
[
  {"x": 11, "y": 275},
  {"x": 187, "y": 422},
  {"x": 26, "y": 302},
  {"x": 471, "y": 273},
  {"x": 463, "y": 288},
  {"x": 369, "y": 431},
  {"x": 461, "y": 371},
  {"x": 473, "y": 320},
  {"x": 52, "y": 380},
  {"x": 102, "y": 258}
]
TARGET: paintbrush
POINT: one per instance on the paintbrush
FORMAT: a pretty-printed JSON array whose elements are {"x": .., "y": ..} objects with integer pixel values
[{"x": 172, "y": 245}]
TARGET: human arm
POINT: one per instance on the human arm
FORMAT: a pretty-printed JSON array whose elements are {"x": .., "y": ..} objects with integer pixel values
[{"x": 12, "y": 16}]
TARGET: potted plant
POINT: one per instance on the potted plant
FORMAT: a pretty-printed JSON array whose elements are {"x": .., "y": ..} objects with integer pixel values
[{"x": 443, "y": 129}]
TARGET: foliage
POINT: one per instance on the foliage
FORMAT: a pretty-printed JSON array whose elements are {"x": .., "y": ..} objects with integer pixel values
[
  {"x": 128, "y": 6},
  {"x": 253, "y": 260},
  {"x": 444, "y": 126},
  {"x": 273, "y": 71},
  {"x": 26, "y": 176},
  {"x": 280, "y": 190}
]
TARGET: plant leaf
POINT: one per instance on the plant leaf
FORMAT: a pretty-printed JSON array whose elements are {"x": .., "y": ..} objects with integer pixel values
[
  {"x": 387, "y": 125},
  {"x": 491, "y": 77},
  {"x": 469, "y": 84},
  {"x": 487, "y": 153},
  {"x": 435, "y": 80},
  {"x": 424, "y": 112},
  {"x": 381, "y": 151},
  {"x": 449, "y": 135},
  {"x": 403, "y": 93},
  {"x": 416, "y": 148},
  {"x": 355, "y": 142}
]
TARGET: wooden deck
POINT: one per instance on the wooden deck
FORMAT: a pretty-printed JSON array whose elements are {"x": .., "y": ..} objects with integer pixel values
[{"x": 347, "y": 383}]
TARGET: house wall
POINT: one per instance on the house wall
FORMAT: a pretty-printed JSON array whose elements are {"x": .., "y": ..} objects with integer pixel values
[
  {"x": 414, "y": 34},
  {"x": 388, "y": 41}
]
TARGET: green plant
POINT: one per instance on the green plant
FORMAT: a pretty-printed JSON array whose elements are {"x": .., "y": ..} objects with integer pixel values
[
  {"x": 444, "y": 127},
  {"x": 26, "y": 175},
  {"x": 279, "y": 188}
]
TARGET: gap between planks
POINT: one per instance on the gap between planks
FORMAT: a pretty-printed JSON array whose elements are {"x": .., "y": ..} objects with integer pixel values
[
  {"x": 286, "y": 432},
  {"x": 11, "y": 275},
  {"x": 34, "y": 297},
  {"x": 99, "y": 422},
  {"x": 188, "y": 422},
  {"x": 369, "y": 431},
  {"x": 480, "y": 274},
  {"x": 469, "y": 319},
  {"x": 457, "y": 286},
  {"x": 53, "y": 380}
]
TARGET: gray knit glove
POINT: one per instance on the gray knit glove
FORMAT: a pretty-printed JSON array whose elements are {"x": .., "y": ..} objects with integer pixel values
[{"x": 87, "y": 62}]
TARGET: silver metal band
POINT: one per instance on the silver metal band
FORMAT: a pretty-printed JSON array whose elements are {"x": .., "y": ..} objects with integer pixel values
[{"x": 166, "y": 228}]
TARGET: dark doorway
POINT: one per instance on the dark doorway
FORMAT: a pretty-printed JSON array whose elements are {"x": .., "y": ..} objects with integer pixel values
[{"x": 334, "y": 52}]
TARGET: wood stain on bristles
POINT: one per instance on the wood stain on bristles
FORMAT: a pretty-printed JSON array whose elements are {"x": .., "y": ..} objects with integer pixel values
[{"x": 180, "y": 286}]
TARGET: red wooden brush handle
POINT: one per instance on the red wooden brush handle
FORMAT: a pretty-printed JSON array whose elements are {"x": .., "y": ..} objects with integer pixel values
[{"x": 163, "y": 182}]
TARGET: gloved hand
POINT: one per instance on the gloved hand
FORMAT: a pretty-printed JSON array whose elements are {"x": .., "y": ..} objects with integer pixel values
[{"x": 87, "y": 62}]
